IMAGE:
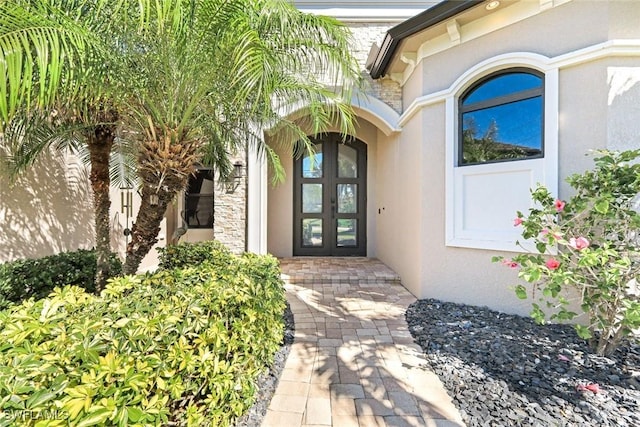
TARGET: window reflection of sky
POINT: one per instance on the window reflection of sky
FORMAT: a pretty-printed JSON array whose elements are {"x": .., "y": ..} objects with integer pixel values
[
  {"x": 518, "y": 123},
  {"x": 503, "y": 85}
]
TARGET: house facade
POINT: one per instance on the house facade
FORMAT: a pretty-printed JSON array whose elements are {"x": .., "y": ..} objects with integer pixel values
[
  {"x": 469, "y": 104},
  {"x": 496, "y": 97}
]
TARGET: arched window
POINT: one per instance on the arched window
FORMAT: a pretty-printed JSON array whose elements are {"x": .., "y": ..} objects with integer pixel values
[{"x": 501, "y": 118}]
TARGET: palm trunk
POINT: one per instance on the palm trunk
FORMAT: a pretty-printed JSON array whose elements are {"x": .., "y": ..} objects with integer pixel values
[
  {"x": 144, "y": 232},
  {"x": 100, "y": 143},
  {"x": 164, "y": 165}
]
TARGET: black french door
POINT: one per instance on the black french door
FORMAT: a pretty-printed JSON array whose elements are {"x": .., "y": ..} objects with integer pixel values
[{"x": 330, "y": 199}]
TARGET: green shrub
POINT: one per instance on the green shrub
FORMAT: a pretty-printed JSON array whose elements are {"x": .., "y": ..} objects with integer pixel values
[
  {"x": 177, "y": 347},
  {"x": 589, "y": 244},
  {"x": 23, "y": 279},
  {"x": 193, "y": 254}
]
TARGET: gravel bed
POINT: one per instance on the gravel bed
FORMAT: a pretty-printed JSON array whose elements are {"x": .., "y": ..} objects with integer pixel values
[
  {"x": 504, "y": 370},
  {"x": 268, "y": 382}
]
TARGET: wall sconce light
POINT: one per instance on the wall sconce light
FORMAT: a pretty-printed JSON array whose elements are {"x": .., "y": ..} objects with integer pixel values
[
  {"x": 126, "y": 201},
  {"x": 126, "y": 207},
  {"x": 153, "y": 199},
  {"x": 235, "y": 179}
]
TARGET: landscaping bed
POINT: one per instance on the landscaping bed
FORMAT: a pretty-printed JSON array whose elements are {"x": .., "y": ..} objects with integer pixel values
[
  {"x": 182, "y": 346},
  {"x": 507, "y": 370},
  {"x": 268, "y": 382}
]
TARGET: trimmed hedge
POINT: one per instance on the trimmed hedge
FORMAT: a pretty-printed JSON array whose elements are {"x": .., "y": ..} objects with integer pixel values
[
  {"x": 177, "y": 347},
  {"x": 26, "y": 278},
  {"x": 193, "y": 254}
]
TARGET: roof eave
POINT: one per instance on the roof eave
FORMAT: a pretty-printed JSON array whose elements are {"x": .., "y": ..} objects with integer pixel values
[{"x": 430, "y": 17}]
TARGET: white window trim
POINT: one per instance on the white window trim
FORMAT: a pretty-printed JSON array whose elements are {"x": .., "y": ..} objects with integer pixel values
[{"x": 549, "y": 168}]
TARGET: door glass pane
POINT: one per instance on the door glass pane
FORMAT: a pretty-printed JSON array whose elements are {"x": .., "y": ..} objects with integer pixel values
[
  {"x": 346, "y": 232},
  {"x": 311, "y": 198},
  {"x": 347, "y": 198},
  {"x": 347, "y": 162},
  {"x": 312, "y": 232},
  {"x": 312, "y": 165}
]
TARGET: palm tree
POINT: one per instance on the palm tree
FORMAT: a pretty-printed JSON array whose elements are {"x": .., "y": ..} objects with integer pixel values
[
  {"x": 59, "y": 74},
  {"x": 189, "y": 80},
  {"x": 216, "y": 74}
]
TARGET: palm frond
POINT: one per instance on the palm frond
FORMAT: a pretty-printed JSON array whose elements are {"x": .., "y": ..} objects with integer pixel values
[
  {"x": 28, "y": 135},
  {"x": 122, "y": 165},
  {"x": 39, "y": 49}
]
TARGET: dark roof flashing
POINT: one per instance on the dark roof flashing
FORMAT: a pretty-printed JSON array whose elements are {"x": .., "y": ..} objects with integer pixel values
[{"x": 430, "y": 17}]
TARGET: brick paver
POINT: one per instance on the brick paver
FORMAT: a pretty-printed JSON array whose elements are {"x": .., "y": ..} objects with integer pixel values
[{"x": 353, "y": 362}]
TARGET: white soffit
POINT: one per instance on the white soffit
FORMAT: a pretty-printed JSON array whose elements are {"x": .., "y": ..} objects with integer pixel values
[{"x": 365, "y": 11}]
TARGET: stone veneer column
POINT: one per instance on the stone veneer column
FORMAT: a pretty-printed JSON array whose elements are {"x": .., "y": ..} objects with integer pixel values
[
  {"x": 365, "y": 34},
  {"x": 230, "y": 212}
]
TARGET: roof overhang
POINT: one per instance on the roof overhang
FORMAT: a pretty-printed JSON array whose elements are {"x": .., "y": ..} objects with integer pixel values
[{"x": 379, "y": 61}]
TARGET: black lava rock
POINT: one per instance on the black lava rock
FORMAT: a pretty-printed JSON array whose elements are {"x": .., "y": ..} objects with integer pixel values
[{"x": 504, "y": 370}]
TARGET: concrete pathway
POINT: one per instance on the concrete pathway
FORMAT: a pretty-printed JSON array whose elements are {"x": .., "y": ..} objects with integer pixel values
[{"x": 353, "y": 362}]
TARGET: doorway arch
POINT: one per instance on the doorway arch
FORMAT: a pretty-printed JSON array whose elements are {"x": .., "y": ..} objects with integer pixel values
[{"x": 329, "y": 198}]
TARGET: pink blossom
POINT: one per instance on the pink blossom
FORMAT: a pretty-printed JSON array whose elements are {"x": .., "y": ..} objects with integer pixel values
[
  {"x": 559, "y": 204},
  {"x": 553, "y": 234},
  {"x": 510, "y": 263},
  {"x": 592, "y": 387},
  {"x": 578, "y": 244},
  {"x": 517, "y": 221},
  {"x": 552, "y": 263}
]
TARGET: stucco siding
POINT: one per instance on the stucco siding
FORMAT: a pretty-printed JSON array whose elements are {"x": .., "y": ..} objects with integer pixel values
[
  {"x": 400, "y": 221},
  {"x": 280, "y": 209},
  {"x": 596, "y": 108},
  {"x": 47, "y": 210},
  {"x": 623, "y": 96},
  {"x": 583, "y": 118},
  {"x": 554, "y": 32}
]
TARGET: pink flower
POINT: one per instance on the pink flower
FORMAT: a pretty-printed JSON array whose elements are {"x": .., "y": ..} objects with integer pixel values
[
  {"x": 578, "y": 244},
  {"x": 510, "y": 263},
  {"x": 517, "y": 221},
  {"x": 552, "y": 263},
  {"x": 559, "y": 204},
  {"x": 553, "y": 234},
  {"x": 593, "y": 388}
]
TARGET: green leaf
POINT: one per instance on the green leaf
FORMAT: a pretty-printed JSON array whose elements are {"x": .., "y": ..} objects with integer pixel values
[
  {"x": 97, "y": 417},
  {"x": 521, "y": 292},
  {"x": 134, "y": 414},
  {"x": 38, "y": 398},
  {"x": 602, "y": 207},
  {"x": 583, "y": 332}
]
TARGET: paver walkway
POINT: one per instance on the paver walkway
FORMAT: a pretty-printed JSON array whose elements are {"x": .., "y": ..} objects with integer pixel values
[{"x": 353, "y": 362}]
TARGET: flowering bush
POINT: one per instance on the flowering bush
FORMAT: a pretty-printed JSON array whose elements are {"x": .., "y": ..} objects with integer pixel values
[{"x": 590, "y": 243}]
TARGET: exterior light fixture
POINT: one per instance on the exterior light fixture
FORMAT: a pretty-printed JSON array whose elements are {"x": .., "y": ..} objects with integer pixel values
[
  {"x": 126, "y": 207},
  {"x": 153, "y": 199},
  {"x": 492, "y": 5},
  {"x": 126, "y": 201},
  {"x": 234, "y": 180}
]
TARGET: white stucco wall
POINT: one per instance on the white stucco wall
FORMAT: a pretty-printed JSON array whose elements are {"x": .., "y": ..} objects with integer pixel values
[
  {"x": 597, "y": 108},
  {"x": 46, "y": 210}
]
